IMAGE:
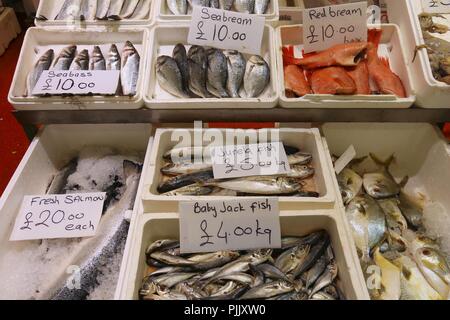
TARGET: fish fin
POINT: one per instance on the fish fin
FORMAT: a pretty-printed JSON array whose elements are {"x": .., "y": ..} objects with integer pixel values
[
  {"x": 403, "y": 182},
  {"x": 386, "y": 163},
  {"x": 130, "y": 167},
  {"x": 374, "y": 36},
  {"x": 357, "y": 161}
]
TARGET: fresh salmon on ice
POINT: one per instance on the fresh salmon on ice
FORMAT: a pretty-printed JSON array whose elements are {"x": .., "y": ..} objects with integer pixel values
[
  {"x": 332, "y": 80},
  {"x": 360, "y": 75},
  {"x": 295, "y": 81}
]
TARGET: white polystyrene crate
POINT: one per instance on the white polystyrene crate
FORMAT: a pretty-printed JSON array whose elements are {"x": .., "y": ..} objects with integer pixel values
[
  {"x": 49, "y": 151},
  {"x": 164, "y": 39},
  {"x": 152, "y": 227},
  {"x": 38, "y": 40},
  {"x": 420, "y": 153},
  {"x": 430, "y": 92},
  {"x": 307, "y": 140},
  {"x": 292, "y": 35},
  {"x": 49, "y": 9},
  {"x": 163, "y": 14}
]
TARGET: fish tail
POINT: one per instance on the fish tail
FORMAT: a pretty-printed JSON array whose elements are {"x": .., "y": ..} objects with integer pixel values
[
  {"x": 404, "y": 181},
  {"x": 356, "y": 161},
  {"x": 386, "y": 163}
]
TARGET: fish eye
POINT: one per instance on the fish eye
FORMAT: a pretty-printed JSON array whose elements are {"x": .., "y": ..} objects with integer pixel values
[{"x": 426, "y": 252}]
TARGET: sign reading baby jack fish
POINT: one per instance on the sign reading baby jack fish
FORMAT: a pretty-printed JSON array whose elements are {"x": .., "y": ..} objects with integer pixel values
[
  {"x": 57, "y": 82},
  {"x": 226, "y": 30},
  {"x": 245, "y": 160},
  {"x": 58, "y": 216},
  {"x": 235, "y": 224},
  {"x": 325, "y": 27},
  {"x": 436, "y": 6}
]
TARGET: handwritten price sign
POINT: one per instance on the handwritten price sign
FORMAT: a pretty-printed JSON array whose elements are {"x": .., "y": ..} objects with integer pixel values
[
  {"x": 226, "y": 30},
  {"x": 327, "y": 26},
  {"x": 229, "y": 225},
  {"x": 436, "y": 6},
  {"x": 58, "y": 216},
  {"x": 77, "y": 82}
]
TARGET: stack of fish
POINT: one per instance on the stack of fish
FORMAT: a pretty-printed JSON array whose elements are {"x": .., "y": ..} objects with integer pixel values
[
  {"x": 303, "y": 268},
  {"x": 342, "y": 69},
  {"x": 184, "y": 176},
  {"x": 70, "y": 59},
  {"x": 180, "y": 7},
  {"x": 438, "y": 49},
  {"x": 210, "y": 73},
  {"x": 388, "y": 231},
  {"x": 103, "y": 10}
]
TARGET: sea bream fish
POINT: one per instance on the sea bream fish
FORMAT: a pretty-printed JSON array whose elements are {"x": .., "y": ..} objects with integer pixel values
[
  {"x": 64, "y": 58},
  {"x": 217, "y": 73},
  {"x": 170, "y": 77},
  {"x": 236, "y": 69},
  {"x": 179, "y": 54},
  {"x": 41, "y": 65},
  {"x": 129, "y": 74},
  {"x": 70, "y": 10},
  {"x": 244, "y": 6},
  {"x": 81, "y": 61},
  {"x": 256, "y": 77},
  {"x": 226, "y": 4},
  {"x": 97, "y": 61},
  {"x": 198, "y": 63}
]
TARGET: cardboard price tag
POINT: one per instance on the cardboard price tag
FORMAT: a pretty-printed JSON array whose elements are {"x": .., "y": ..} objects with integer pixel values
[
  {"x": 344, "y": 159},
  {"x": 436, "y": 6},
  {"x": 77, "y": 82},
  {"x": 325, "y": 27},
  {"x": 235, "y": 224},
  {"x": 226, "y": 30},
  {"x": 58, "y": 216}
]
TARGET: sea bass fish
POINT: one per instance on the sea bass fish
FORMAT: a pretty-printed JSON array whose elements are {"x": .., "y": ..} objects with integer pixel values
[
  {"x": 97, "y": 61},
  {"x": 41, "y": 65},
  {"x": 114, "y": 60},
  {"x": 256, "y": 77},
  {"x": 65, "y": 58},
  {"x": 129, "y": 73},
  {"x": 81, "y": 61}
]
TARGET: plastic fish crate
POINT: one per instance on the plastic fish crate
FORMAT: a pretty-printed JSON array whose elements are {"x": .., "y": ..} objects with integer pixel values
[
  {"x": 430, "y": 92},
  {"x": 420, "y": 152},
  {"x": 293, "y": 35},
  {"x": 308, "y": 140},
  {"x": 152, "y": 227},
  {"x": 38, "y": 40},
  {"x": 50, "y": 9},
  {"x": 163, "y": 14}
]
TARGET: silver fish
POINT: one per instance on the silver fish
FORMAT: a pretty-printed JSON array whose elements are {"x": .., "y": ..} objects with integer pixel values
[
  {"x": 170, "y": 77},
  {"x": 260, "y": 185},
  {"x": 201, "y": 3},
  {"x": 410, "y": 210},
  {"x": 180, "y": 56},
  {"x": 70, "y": 10},
  {"x": 114, "y": 63},
  {"x": 314, "y": 273},
  {"x": 312, "y": 239},
  {"x": 236, "y": 70},
  {"x": 102, "y": 9},
  {"x": 258, "y": 276},
  {"x": 198, "y": 62},
  {"x": 261, "y": 6},
  {"x": 350, "y": 184},
  {"x": 184, "y": 167},
  {"x": 115, "y": 7},
  {"x": 192, "y": 293},
  {"x": 435, "y": 269},
  {"x": 226, "y": 4},
  {"x": 161, "y": 245},
  {"x": 65, "y": 58},
  {"x": 380, "y": 185},
  {"x": 256, "y": 77},
  {"x": 171, "y": 279},
  {"x": 81, "y": 61},
  {"x": 185, "y": 180},
  {"x": 314, "y": 253},
  {"x": 171, "y": 260},
  {"x": 300, "y": 158},
  {"x": 244, "y": 6},
  {"x": 97, "y": 61},
  {"x": 213, "y": 260},
  {"x": 268, "y": 290},
  {"x": 225, "y": 290},
  {"x": 142, "y": 11},
  {"x": 177, "y": 7},
  {"x": 326, "y": 278},
  {"x": 42, "y": 64},
  {"x": 191, "y": 190},
  {"x": 289, "y": 260},
  {"x": 217, "y": 73},
  {"x": 128, "y": 8},
  {"x": 129, "y": 74},
  {"x": 301, "y": 172},
  {"x": 272, "y": 272},
  {"x": 88, "y": 10},
  {"x": 240, "y": 277}
]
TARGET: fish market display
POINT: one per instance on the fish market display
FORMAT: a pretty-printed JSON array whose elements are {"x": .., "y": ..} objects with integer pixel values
[
  {"x": 303, "y": 269},
  {"x": 211, "y": 73},
  {"x": 389, "y": 234},
  {"x": 346, "y": 69},
  {"x": 91, "y": 58},
  {"x": 92, "y": 10},
  {"x": 51, "y": 263},
  {"x": 436, "y": 42},
  {"x": 183, "y": 176},
  {"x": 183, "y": 7}
]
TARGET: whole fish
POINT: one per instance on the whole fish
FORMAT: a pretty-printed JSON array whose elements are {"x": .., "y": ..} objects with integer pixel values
[
  {"x": 70, "y": 10},
  {"x": 65, "y": 58},
  {"x": 115, "y": 7},
  {"x": 185, "y": 180},
  {"x": 350, "y": 184},
  {"x": 97, "y": 61},
  {"x": 217, "y": 73},
  {"x": 435, "y": 269},
  {"x": 389, "y": 287},
  {"x": 301, "y": 172},
  {"x": 128, "y": 8},
  {"x": 171, "y": 260},
  {"x": 256, "y": 77},
  {"x": 198, "y": 62},
  {"x": 314, "y": 253},
  {"x": 394, "y": 217},
  {"x": 300, "y": 158},
  {"x": 272, "y": 272},
  {"x": 180, "y": 56},
  {"x": 268, "y": 290},
  {"x": 171, "y": 169},
  {"x": 191, "y": 190},
  {"x": 259, "y": 185},
  {"x": 226, "y": 4},
  {"x": 177, "y": 7},
  {"x": 170, "y": 77},
  {"x": 113, "y": 63},
  {"x": 236, "y": 69},
  {"x": 102, "y": 9},
  {"x": 81, "y": 61},
  {"x": 326, "y": 278},
  {"x": 314, "y": 273},
  {"x": 367, "y": 223},
  {"x": 142, "y": 11},
  {"x": 289, "y": 260},
  {"x": 244, "y": 6},
  {"x": 161, "y": 245},
  {"x": 411, "y": 211},
  {"x": 42, "y": 64},
  {"x": 213, "y": 260},
  {"x": 261, "y": 6},
  {"x": 88, "y": 10},
  {"x": 129, "y": 73},
  {"x": 380, "y": 185}
]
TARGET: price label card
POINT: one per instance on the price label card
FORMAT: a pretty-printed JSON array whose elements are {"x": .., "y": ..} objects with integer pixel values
[
  {"x": 226, "y": 30},
  {"x": 77, "y": 82},
  {"x": 58, "y": 216},
  {"x": 344, "y": 159},
  {"x": 324, "y": 27},
  {"x": 244, "y": 160},
  {"x": 436, "y": 6},
  {"x": 235, "y": 224}
]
